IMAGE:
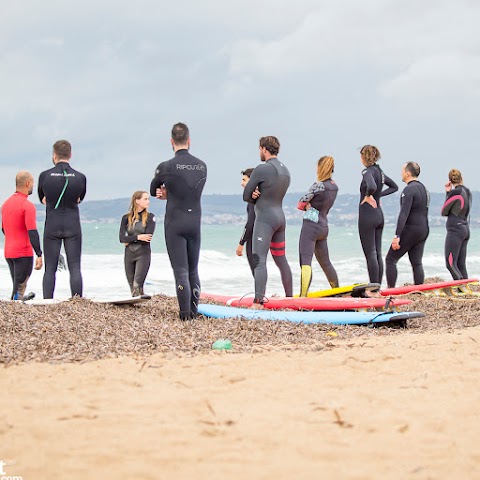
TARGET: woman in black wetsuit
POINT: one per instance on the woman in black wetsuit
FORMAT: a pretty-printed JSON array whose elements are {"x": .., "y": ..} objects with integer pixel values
[
  {"x": 457, "y": 210},
  {"x": 136, "y": 231},
  {"x": 370, "y": 215},
  {"x": 313, "y": 238}
]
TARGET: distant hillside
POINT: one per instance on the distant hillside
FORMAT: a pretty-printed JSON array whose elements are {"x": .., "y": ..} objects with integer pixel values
[{"x": 220, "y": 209}]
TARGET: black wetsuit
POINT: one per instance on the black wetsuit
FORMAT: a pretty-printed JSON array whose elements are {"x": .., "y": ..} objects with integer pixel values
[
  {"x": 412, "y": 229},
  {"x": 138, "y": 253},
  {"x": 247, "y": 235},
  {"x": 20, "y": 271},
  {"x": 184, "y": 177},
  {"x": 370, "y": 220},
  {"x": 63, "y": 188},
  {"x": 272, "y": 179},
  {"x": 313, "y": 237},
  {"x": 457, "y": 208}
]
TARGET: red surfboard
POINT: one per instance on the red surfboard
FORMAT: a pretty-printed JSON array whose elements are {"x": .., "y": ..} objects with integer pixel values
[
  {"x": 439, "y": 288},
  {"x": 306, "y": 303}
]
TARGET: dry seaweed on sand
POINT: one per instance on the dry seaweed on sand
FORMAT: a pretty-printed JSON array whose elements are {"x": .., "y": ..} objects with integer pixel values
[{"x": 80, "y": 330}]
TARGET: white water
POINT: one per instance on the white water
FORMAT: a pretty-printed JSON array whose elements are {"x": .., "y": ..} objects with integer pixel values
[{"x": 221, "y": 271}]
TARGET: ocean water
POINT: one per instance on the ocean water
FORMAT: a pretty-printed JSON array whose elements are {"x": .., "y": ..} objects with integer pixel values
[{"x": 221, "y": 271}]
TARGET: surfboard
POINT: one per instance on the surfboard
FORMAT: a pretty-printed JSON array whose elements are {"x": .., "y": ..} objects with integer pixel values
[
  {"x": 44, "y": 301},
  {"x": 112, "y": 301},
  {"x": 440, "y": 288},
  {"x": 336, "y": 318},
  {"x": 464, "y": 291},
  {"x": 303, "y": 303},
  {"x": 123, "y": 301},
  {"x": 357, "y": 290}
]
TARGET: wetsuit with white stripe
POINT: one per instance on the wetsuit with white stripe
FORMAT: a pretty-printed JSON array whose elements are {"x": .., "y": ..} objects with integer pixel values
[
  {"x": 370, "y": 220},
  {"x": 412, "y": 230},
  {"x": 247, "y": 234},
  {"x": 272, "y": 179},
  {"x": 313, "y": 236},
  {"x": 138, "y": 253},
  {"x": 184, "y": 177},
  {"x": 63, "y": 188},
  {"x": 457, "y": 210}
]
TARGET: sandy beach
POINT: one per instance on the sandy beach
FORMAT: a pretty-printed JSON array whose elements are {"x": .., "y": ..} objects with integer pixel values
[{"x": 354, "y": 403}]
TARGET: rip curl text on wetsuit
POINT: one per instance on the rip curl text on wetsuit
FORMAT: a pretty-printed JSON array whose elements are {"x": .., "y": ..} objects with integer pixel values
[{"x": 184, "y": 177}]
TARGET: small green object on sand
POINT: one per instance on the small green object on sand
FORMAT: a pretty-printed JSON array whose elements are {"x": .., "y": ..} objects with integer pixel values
[{"x": 222, "y": 345}]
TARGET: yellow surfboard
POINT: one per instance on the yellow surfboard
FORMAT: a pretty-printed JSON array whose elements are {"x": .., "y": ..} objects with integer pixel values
[{"x": 356, "y": 289}]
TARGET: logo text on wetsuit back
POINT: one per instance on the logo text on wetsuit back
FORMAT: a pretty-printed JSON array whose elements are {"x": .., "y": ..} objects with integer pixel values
[
  {"x": 62, "y": 175},
  {"x": 197, "y": 166}
]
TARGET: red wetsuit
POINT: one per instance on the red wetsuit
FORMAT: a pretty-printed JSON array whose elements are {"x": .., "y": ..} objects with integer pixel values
[
  {"x": 18, "y": 217},
  {"x": 21, "y": 238}
]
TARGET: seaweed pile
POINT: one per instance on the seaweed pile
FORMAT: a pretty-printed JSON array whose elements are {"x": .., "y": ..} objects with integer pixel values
[{"x": 80, "y": 330}]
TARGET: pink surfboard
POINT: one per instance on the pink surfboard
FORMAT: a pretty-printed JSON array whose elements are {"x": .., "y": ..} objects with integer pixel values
[
  {"x": 427, "y": 287},
  {"x": 307, "y": 303}
]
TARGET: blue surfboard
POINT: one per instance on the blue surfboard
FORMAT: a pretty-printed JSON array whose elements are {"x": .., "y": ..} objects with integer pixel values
[{"x": 328, "y": 317}]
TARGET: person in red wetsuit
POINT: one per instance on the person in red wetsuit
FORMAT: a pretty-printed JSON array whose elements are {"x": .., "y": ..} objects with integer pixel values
[{"x": 19, "y": 226}]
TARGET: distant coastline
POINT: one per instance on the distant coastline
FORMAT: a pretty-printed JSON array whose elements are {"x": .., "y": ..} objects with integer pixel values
[{"x": 230, "y": 209}]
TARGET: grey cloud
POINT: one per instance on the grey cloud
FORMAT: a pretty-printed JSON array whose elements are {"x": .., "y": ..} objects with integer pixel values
[{"x": 326, "y": 77}]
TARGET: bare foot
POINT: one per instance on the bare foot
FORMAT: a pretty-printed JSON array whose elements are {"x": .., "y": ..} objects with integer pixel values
[{"x": 257, "y": 306}]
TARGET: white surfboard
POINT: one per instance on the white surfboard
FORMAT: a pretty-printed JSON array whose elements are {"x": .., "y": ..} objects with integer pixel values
[
  {"x": 112, "y": 301},
  {"x": 123, "y": 301},
  {"x": 44, "y": 301}
]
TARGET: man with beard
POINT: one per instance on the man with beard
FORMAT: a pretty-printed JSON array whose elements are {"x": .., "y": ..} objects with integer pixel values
[
  {"x": 21, "y": 236},
  {"x": 271, "y": 179}
]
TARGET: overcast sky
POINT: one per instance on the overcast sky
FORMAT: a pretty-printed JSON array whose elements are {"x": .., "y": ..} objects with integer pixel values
[{"x": 325, "y": 77}]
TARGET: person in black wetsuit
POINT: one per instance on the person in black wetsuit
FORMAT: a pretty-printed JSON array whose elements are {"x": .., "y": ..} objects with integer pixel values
[
  {"x": 370, "y": 214},
  {"x": 316, "y": 203},
  {"x": 266, "y": 188},
  {"x": 180, "y": 181},
  {"x": 412, "y": 226},
  {"x": 61, "y": 189},
  {"x": 136, "y": 231},
  {"x": 456, "y": 208},
  {"x": 246, "y": 239}
]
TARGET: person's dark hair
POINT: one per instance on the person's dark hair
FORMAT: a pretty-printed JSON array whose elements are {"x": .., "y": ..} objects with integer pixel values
[
  {"x": 413, "y": 168},
  {"x": 271, "y": 144},
  {"x": 370, "y": 155},
  {"x": 247, "y": 172},
  {"x": 62, "y": 149},
  {"x": 180, "y": 134}
]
